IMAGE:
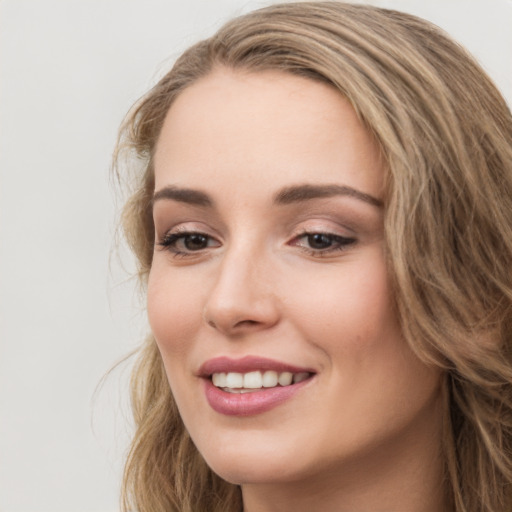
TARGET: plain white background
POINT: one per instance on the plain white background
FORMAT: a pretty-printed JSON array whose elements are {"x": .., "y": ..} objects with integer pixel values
[{"x": 69, "y": 70}]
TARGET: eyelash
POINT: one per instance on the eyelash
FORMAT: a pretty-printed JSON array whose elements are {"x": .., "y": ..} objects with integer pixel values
[
  {"x": 341, "y": 243},
  {"x": 170, "y": 241}
]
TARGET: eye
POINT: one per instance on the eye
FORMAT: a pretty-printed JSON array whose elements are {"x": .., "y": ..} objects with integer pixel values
[
  {"x": 185, "y": 243},
  {"x": 322, "y": 243}
]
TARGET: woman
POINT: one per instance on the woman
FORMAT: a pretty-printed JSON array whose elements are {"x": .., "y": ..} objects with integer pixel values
[{"x": 324, "y": 227}]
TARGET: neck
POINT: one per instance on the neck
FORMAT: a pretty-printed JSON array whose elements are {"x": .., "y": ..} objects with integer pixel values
[{"x": 405, "y": 473}]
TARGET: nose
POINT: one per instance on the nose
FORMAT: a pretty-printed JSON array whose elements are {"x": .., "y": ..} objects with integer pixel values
[{"x": 242, "y": 298}]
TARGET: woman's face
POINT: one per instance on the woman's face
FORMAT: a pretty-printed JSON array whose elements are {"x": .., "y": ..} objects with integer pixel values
[{"x": 269, "y": 295}]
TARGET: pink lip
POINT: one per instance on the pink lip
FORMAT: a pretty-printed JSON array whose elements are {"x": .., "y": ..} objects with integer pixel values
[
  {"x": 246, "y": 364},
  {"x": 255, "y": 402}
]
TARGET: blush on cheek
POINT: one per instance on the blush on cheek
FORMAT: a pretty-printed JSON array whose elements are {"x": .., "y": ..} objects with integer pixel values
[{"x": 353, "y": 296}]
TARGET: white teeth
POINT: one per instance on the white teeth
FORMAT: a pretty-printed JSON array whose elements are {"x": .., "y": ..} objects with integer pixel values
[
  {"x": 246, "y": 382},
  {"x": 234, "y": 380},
  {"x": 270, "y": 379},
  {"x": 219, "y": 380},
  {"x": 252, "y": 380}
]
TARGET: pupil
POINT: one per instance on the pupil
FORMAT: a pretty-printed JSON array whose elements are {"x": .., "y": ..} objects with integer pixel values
[
  {"x": 195, "y": 242},
  {"x": 319, "y": 241}
]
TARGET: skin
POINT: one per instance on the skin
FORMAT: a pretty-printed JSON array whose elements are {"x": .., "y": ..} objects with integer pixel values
[{"x": 364, "y": 433}]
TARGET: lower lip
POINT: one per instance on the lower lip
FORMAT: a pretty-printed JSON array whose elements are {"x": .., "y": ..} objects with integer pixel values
[{"x": 249, "y": 404}]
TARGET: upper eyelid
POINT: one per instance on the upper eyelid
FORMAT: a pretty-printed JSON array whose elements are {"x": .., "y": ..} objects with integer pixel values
[
  {"x": 297, "y": 232},
  {"x": 323, "y": 232},
  {"x": 327, "y": 227},
  {"x": 187, "y": 227},
  {"x": 291, "y": 227}
]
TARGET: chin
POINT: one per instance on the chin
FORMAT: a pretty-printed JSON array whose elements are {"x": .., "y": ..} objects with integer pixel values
[
  {"x": 258, "y": 465},
  {"x": 243, "y": 474}
]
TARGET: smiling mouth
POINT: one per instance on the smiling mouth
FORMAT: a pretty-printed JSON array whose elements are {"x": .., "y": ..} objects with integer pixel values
[{"x": 234, "y": 382}]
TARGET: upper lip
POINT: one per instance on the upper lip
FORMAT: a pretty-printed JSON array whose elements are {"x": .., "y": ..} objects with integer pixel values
[{"x": 246, "y": 364}]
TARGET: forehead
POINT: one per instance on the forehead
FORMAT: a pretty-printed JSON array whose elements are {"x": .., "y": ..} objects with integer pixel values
[{"x": 265, "y": 125}]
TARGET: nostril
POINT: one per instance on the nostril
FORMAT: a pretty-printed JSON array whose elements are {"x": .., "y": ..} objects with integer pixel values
[
  {"x": 246, "y": 323},
  {"x": 240, "y": 323}
]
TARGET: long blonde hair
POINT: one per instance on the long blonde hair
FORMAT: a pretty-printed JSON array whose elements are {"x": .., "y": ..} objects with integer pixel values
[{"x": 446, "y": 134}]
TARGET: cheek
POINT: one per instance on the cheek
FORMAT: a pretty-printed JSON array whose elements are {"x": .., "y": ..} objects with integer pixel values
[
  {"x": 175, "y": 317},
  {"x": 348, "y": 309},
  {"x": 174, "y": 312},
  {"x": 374, "y": 383}
]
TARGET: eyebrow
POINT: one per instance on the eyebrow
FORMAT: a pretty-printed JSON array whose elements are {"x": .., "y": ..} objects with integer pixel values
[
  {"x": 306, "y": 192},
  {"x": 183, "y": 195},
  {"x": 288, "y": 195}
]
